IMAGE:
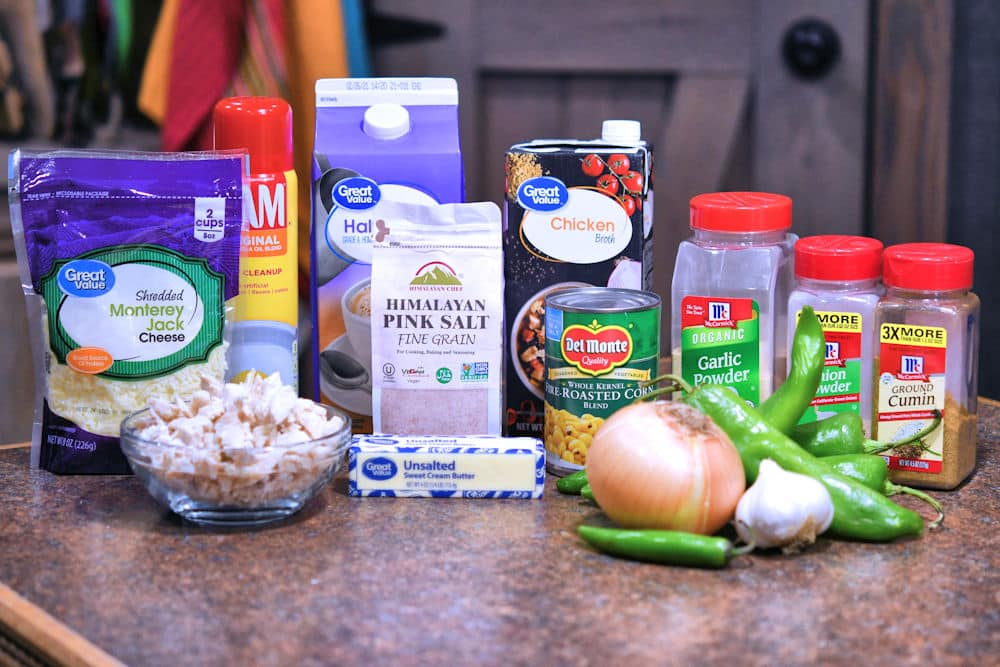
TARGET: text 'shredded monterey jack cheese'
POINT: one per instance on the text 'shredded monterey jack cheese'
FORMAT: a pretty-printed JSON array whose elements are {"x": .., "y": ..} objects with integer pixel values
[{"x": 264, "y": 335}]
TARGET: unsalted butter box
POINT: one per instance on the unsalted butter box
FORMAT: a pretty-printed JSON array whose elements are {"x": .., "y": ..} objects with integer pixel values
[{"x": 446, "y": 467}]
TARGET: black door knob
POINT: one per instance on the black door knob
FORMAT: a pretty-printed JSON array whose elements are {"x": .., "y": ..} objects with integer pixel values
[{"x": 811, "y": 48}]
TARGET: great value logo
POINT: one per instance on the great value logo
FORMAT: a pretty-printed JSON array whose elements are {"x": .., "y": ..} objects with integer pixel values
[
  {"x": 379, "y": 469},
  {"x": 86, "y": 278},
  {"x": 596, "y": 350},
  {"x": 542, "y": 193},
  {"x": 357, "y": 193}
]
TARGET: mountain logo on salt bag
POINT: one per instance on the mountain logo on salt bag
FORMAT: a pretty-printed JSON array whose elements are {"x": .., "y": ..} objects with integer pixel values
[{"x": 435, "y": 273}]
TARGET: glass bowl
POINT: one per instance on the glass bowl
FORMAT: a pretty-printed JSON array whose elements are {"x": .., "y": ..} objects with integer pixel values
[{"x": 234, "y": 486}]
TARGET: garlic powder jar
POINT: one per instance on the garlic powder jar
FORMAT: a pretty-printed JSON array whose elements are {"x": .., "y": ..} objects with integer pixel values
[{"x": 730, "y": 292}]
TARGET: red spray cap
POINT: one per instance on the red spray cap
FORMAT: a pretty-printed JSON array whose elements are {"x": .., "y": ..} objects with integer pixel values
[
  {"x": 741, "y": 212},
  {"x": 838, "y": 257},
  {"x": 262, "y": 125},
  {"x": 935, "y": 267}
]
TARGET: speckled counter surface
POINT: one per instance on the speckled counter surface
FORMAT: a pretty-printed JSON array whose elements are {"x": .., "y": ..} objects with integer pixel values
[{"x": 397, "y": 581}]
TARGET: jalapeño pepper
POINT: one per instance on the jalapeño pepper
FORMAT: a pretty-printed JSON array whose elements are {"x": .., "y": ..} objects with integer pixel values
[
  {"x": 842, "y": 433},
  {"x": 872, "y": 471},
  {"x": 785, "y": 407},
  {"x": 671, "y": 547},
  {"x": 573, "y": 483},
  {"x": 860, "y": 513}
]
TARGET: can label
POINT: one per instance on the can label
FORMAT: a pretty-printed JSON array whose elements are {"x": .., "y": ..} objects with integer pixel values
[
  {"x": 720, "y": 344},
  {"x": 595, "y": 364},
  {"x": 911, "y": 395},
  {"x": 840, "y": 386}
]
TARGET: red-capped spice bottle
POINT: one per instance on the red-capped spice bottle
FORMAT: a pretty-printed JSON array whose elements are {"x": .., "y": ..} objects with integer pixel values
[
  {"x": 926, "y": 365},
  {"x": 841, "y": 278},
  {"x": 264, "y": 333},
  {"x": 730, "y": 292}
]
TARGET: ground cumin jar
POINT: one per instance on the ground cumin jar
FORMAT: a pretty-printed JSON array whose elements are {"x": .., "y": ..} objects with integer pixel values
[{"x": 926, "y": 365}]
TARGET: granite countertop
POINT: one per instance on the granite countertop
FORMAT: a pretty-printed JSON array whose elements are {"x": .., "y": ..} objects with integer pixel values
[{"x": 407, "y": 581}]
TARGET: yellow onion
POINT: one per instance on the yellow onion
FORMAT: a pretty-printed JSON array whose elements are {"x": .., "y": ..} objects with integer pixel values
[{"x": 665, "y": 465}]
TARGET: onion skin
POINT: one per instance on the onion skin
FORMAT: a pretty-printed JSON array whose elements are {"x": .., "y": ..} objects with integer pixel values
[{"x": 665, "y": 465}]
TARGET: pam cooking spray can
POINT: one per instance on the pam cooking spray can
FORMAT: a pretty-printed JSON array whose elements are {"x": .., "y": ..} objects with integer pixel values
[{"x": 266, "y": 320}]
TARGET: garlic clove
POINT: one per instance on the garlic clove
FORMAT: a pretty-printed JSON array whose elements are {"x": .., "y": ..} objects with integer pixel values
[{"x": 783, "y": 509}]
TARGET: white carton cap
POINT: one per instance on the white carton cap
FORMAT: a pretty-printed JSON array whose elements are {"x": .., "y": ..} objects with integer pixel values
[
  {"x": 621, "y": 131},
  {"x": 386, "y": 121}
]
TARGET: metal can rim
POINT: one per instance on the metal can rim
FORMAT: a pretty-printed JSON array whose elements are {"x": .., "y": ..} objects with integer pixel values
[{"x": 575, "y": 300}]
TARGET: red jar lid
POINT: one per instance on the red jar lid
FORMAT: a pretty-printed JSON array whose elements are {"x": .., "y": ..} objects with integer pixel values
[
  {"x": 262, "y": 125},
  {"x": 928, "y": 266},
  {"x": 741, "y": 212},
  {"x": 838, "y": 257}
]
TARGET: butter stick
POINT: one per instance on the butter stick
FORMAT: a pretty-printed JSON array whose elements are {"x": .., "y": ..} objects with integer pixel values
[{"x": 446, "y": 467}]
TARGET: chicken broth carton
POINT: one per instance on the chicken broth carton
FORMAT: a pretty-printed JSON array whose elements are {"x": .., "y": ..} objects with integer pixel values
[
  {"x": 377, "y": 141},
  {"x": 577, "y": 213}
]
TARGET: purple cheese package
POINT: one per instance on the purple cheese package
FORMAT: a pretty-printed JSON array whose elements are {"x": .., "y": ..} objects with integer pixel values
[{"x": 129, "y": 263}]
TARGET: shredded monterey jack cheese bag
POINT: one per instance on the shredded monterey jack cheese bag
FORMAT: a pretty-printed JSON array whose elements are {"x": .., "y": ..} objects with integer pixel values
[{"x": 127, "y": 262}]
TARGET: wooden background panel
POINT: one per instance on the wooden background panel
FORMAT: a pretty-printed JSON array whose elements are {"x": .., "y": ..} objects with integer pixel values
[
  {"x": 450, "y": 55},
  {"x": 911, "y": 120},
  {"x": 809, "y": 136},
  {"x": 640, "y": 36},
  {"x": 974, "y": 171},
  {"x": 19, "y": 385},
  {"x": 519, "y": 108}
]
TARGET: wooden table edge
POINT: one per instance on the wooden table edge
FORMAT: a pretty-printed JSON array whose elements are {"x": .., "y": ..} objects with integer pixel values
[{"x": 35, "y": 629}]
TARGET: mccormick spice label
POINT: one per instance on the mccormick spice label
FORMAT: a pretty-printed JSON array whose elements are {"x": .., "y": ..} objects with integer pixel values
[
  {"x": 840, "y": 386},
  {"x": 720, "y": 343},
  {"x": 577, "y": 214},
  {"x": 911, "y": 395}
]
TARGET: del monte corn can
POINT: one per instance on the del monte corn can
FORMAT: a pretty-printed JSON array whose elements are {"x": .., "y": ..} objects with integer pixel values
[{"x": 600, "y": 345}]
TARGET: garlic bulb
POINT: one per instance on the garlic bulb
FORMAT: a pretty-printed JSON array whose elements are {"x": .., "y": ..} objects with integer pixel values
[{"x": 783, "y": 509}]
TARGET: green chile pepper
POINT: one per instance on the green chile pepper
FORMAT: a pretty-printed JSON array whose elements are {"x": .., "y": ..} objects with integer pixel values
[
  {"x": 572, "y": 483},
  {"x": 872, "y": 471},
  {"x": 670, "y": 547},
  {"x": 785, "y": 407},
  {"x": 842, "y": 433},
  {"x": 860, "y": 513},
  {"x": 586, "y": 492}
]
